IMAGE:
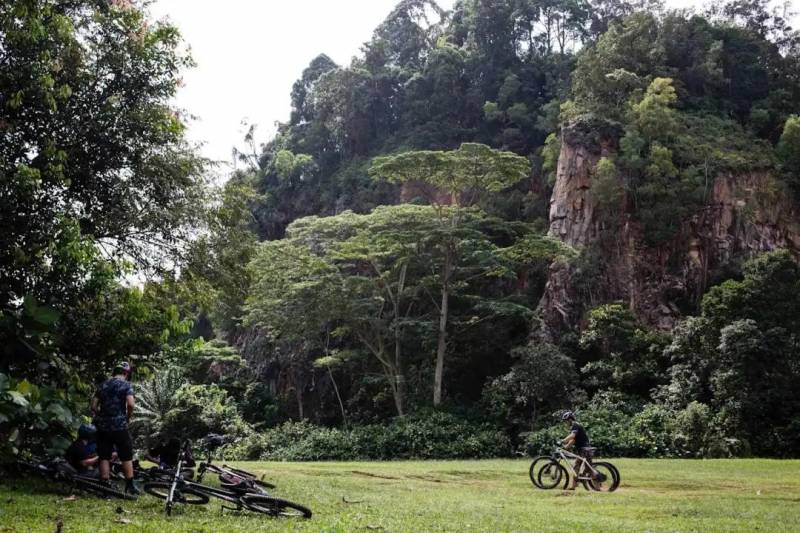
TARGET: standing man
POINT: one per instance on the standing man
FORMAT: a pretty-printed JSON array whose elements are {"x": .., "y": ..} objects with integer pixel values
[
  {"x": 113, "y": 406},
  {"x": 579, "y": 439}
]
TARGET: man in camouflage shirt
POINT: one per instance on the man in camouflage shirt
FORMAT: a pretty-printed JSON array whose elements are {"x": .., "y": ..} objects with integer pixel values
[{"x": 113, "y": 406}]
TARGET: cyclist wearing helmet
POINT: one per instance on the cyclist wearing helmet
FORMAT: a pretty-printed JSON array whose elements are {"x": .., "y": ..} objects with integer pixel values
[
  {"x": 113, "y": 406},
  {"x": 82, "y": 455},
  {"x": 577, "y": 438}
]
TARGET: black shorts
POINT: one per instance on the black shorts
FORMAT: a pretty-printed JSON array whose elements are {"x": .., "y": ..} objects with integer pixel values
[{"x": 108, "y": 440}]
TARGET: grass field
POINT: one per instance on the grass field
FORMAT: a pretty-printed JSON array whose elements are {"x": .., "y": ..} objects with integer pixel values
[{"x": 495, "y": 495}]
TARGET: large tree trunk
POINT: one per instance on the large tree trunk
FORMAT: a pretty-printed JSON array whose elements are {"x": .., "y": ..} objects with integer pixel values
[
  {"x": 399, "y": 379},
  {"x": 441, "y": 347},
  {"x": 338, "y": 397},
  {"x": 399, "y": 394},
  {"x": 298, "y": 394}
]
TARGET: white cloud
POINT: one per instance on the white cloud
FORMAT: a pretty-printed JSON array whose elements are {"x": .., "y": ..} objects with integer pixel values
[{"x": 249, "y": 53}]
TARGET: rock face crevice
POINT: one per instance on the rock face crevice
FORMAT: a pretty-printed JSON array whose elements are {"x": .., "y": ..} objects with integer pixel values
[{"x": 745, "y": 214}]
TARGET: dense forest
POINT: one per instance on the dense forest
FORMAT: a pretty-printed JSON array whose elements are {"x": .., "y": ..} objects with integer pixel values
[{"x": 380, "y": 279}]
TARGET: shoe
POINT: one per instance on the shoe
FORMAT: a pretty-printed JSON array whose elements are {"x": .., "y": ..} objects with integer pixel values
[{"x": 132, "y": 489}]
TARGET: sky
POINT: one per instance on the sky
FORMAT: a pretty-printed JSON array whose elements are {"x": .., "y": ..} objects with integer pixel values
[{"x": 250, "y": 52}]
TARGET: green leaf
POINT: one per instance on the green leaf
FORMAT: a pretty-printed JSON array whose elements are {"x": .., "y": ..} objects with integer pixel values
[
  {"x": 18, "y": 398},
  {"x": 59, "y": 412},
  {"x": 24, "y": 387},
  {"x": 14, "y": 435}
]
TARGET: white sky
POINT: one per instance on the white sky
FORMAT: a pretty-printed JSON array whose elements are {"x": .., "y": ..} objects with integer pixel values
[{"x": 250, "y": 52}]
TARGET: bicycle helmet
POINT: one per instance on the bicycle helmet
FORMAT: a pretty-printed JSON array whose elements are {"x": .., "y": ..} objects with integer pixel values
[
  {"x": 123, "y": 367},
  {"x": 568, "y": 415},
  {"x": 87, "y": 432}
]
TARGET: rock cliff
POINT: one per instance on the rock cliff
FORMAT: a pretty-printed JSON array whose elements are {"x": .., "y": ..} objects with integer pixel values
[{"x": 744, "y": 215}]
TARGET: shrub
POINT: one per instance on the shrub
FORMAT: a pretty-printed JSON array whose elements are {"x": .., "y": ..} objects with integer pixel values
[
  {"x": 34, "y": 418},
  {"x": 202, "y": 409},
  {"x": 258, "y": 405},
  {"x": 653, "y": 430},
  {"x": 689, "y": 428},
  {"x": 154, "y": 400},
  {"x": 428, "y": 436}
]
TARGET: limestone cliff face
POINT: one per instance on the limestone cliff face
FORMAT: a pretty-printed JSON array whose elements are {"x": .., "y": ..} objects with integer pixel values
[{"x": 743, "y": 216}]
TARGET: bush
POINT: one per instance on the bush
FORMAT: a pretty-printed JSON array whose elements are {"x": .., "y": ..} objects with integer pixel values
[
  {"x": 653, "y": 430},
  {"x": 259, "y": 406},
  {"x": 429, "y": 436},
  {"x": 33, "y": 418},
  {"x": 690, "y": 430},
  {"x": 202, "y": 409}
]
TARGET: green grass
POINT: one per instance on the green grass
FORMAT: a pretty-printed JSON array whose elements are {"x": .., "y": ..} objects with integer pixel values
[{"x": 495, "y": 495}]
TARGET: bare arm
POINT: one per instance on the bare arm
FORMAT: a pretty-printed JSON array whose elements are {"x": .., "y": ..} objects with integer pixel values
[
  {"x": 95, "y": 405},
  {"x": 130, "y": 402},
  {"x": 569, "y": 441},
  {"x": 91, "y": 461}
]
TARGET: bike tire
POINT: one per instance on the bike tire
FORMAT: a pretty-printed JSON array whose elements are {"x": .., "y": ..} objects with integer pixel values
[
  {"x": 95, "y": 487},
  {"x": 274, "y": 506},
  {"x": 608, "y": 477},
  {"x": 551, "y": 475},
  {"x": 533, "y": 472},
  {"x": 187, "y": 495}
]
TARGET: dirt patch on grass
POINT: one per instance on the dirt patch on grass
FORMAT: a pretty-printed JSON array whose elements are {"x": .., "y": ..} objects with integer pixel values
[{"x": 370, "y": 474}]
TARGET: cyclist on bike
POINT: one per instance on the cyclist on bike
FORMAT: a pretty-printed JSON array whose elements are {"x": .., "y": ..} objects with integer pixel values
[
  {"x": 82, "y": 454},
  {"x": 113, "y": 406},
  {"x": 579, "y": 439}
]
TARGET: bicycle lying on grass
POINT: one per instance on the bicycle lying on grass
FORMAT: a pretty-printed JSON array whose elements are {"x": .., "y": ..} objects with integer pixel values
[
  {"x": 229, "y": 477},
  {"x": 243, "y": 495},
  {"x": 60, "y": 472},
  {"x": 548, "y": 472}
]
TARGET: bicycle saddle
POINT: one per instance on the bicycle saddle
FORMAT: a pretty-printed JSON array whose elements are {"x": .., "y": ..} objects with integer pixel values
[{"x": 233, "y": 482}]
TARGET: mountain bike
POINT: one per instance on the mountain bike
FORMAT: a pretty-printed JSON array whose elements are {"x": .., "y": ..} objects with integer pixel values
[
  {"x": 548, "y": 472},
  {"x": 180, "y": 490},
  {"x": 229, "y": 477},
  {"x": 59, "y": 471}
]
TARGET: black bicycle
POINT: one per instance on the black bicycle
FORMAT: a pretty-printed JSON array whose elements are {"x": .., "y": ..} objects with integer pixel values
[
  {"x": 229, "y": 477},
  {"x": 180, "y": 490},
  {"x": 60, "y": 472}
]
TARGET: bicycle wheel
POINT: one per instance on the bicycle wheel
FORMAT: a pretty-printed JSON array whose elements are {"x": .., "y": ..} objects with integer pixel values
[
  {"x": 95, "y": 487},
  {"x": 606, "y": 479},
  {"x": 551, "y": 475},
  {"x": 187, "y": 495},
  {"x": 275, "y": 506},
  {"x": 536, "y": 465}
]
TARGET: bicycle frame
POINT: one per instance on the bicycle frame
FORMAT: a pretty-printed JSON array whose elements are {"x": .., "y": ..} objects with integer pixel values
[
  {"x": 565, "y": 456},
  {"x": 223, "y": 494}
]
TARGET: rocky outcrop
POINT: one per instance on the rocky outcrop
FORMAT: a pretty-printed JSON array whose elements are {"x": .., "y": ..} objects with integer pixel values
[{"x": 744, "y": 215}]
